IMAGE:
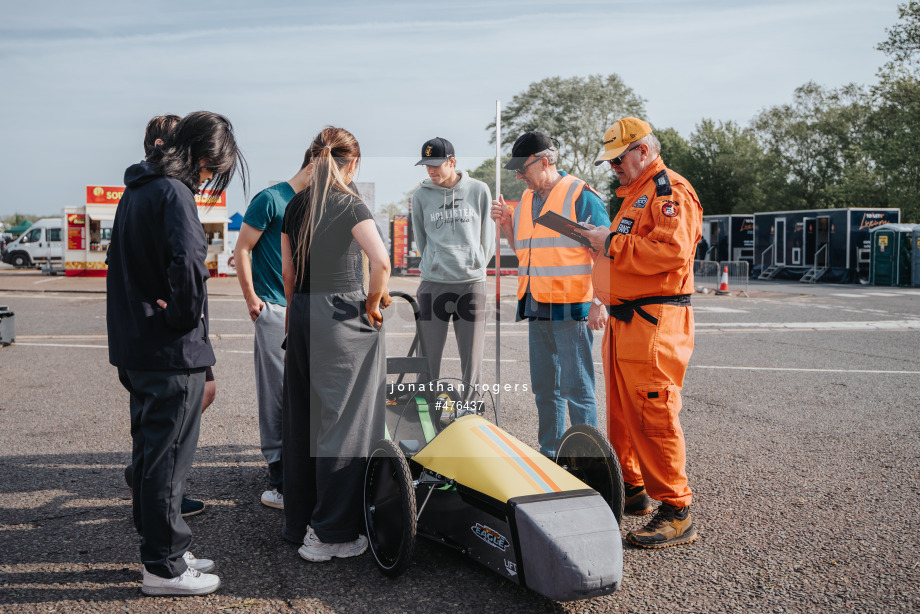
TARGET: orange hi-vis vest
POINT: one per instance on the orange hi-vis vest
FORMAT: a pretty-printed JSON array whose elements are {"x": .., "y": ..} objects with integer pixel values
[{"x": 556, "y": 268}]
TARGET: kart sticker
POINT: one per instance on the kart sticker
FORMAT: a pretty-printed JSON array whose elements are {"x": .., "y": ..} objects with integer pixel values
[
  {"x": 669, "y": 210},
  {"x": 640, "y": 203},
  {"x": 490, "y": 536},
  {"x": 510, "y": 567},
  {"x": 625, "y": 226}
]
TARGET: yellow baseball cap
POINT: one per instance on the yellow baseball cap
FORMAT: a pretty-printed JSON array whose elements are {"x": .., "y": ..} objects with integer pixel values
[{"x": 620, "y": 135}]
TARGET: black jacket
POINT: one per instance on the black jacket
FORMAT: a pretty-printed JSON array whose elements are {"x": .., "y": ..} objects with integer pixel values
[{"x": 157, "y": 252}]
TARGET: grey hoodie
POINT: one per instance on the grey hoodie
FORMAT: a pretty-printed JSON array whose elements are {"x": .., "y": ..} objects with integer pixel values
[{"x": 454, "y": 231}]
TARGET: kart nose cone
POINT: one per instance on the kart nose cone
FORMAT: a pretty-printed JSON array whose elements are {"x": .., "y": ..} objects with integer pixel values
[{"x": 570, "y": 547}]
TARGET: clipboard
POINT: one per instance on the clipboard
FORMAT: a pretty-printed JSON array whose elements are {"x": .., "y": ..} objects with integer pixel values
[{"x": 563, "y": 226}]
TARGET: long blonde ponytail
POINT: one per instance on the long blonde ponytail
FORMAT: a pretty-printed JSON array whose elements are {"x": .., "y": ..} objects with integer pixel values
[{"x": 333, "y": 150}]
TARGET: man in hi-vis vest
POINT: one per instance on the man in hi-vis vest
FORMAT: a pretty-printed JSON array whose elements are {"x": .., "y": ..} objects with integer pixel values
[
  {"x": 555, "y": 294},
  {"x": 645, "y": 275}
]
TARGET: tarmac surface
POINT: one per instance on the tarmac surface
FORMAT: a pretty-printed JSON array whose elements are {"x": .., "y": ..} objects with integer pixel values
[{"x": 801, "y": 414}]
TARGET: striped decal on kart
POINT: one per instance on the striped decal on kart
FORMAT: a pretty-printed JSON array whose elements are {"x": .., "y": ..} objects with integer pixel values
[{"x": 523, "y": 464}]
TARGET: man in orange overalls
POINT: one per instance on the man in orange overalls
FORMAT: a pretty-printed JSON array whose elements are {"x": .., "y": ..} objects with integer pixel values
[{"x": 644, "y": 274}]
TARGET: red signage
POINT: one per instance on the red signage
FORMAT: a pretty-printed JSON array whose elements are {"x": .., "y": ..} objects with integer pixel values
[
  {"x": 103, "y": 195},
  {"x": 110, "y": 195},
  {"x": 207, "y": 199},
  {"x": 400, "y": 241}
]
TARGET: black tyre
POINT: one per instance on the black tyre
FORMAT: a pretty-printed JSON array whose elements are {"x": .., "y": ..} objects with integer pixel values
[
  {"x": 20, "y": 259},
  {"x": 389, "y": 508},
  {"x": 586, "y": 454}
]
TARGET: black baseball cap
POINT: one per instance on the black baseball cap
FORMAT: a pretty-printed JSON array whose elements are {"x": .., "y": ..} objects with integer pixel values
[
  {"x": 525, "y": 146},
  {"x": 436, "y": 152}
]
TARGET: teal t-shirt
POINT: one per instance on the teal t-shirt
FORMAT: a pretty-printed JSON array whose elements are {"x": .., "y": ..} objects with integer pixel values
[{"x": 265, "y": 213}]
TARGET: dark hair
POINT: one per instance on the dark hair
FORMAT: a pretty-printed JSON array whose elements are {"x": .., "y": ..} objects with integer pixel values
[
  {"x": 307, "y": 158},
  {"x": 331, "y": 151},
  {"x": 199, "y": 137},
  {"x": 158, "y": 128}
]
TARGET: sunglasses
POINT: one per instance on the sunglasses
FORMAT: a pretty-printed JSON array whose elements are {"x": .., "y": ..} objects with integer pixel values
[
  {"x": 619, "y": 159},
  {"x": 523, "y": 169}
]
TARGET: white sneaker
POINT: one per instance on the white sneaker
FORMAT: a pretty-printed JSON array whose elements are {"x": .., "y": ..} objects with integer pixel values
[
  {"x": 315, "y": 550},
  {"x": 273, "y": 498},
  {"x": 202, "y": 565},
  {"x": 192, "y": 582}
]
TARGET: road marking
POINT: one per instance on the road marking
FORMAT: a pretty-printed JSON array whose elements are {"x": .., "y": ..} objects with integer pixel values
[
  {"x": 867, "y": 371},
  {"x": 698, "y": 309},
  {"x": 846, "y": 295},
  {"x": 870, "y": 325},
  {"x": 880, "y": 294},
  {"x": 62, "y": 345}
]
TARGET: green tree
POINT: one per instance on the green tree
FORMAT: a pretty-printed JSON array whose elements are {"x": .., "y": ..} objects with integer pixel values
[
  {"x": 894, "y": 125},
  {"x": 15, "y": 219},
  {"x": 726, "y": 166},
  {"x": 512, "y": 187},
  {"x": 398, "y": 207},
  {"x": 903, "y": 41},
  {"x": 675, "y": 151},
  {"x": 816, "y": 150},
  {"x": 576, "y": 112}
]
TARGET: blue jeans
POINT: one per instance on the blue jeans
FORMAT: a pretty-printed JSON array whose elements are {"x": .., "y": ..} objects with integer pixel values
[{"x": 561, "y": 369}]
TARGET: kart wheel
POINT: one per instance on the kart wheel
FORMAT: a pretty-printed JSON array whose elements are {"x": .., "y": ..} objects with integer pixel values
[
  {"x": 389, "y": 508},
  {"x": 586, "y": 454}
]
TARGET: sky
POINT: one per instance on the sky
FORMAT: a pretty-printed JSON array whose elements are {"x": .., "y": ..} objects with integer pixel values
[{"x": 80, "y": 80}]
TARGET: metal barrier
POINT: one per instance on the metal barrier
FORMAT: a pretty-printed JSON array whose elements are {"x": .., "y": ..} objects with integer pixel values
[
  {"x": 739, "y": 274},
  {"x": 708, "y": 274}
]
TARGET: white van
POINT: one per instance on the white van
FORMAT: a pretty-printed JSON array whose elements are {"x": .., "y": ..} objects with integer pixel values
[{"x": 40, "y": 242}]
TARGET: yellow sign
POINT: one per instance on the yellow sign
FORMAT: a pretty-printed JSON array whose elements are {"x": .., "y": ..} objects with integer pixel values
[{"x": 883, "y": 240}]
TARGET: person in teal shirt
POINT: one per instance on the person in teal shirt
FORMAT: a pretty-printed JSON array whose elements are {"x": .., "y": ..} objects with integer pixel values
[{"x": 258, "y": 268}]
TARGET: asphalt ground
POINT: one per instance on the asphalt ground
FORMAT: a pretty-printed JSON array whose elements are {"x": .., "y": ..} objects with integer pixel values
[{"x": 801, "y": 414}]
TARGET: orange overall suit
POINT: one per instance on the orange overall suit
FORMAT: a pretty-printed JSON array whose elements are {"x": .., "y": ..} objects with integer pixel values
[{"x": 645, "y": 275}]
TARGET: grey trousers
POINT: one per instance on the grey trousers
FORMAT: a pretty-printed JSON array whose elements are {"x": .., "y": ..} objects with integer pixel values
[
  {"x": 334, "y": 403},
  {"x": 465, "y": 306},
  {"x": 269, "y": 368},
  {"x": 165, "y": 418}
]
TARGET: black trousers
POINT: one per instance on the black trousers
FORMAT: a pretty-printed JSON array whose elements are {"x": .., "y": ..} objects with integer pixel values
[
  {"x": 165, "y": 419},
  {"x": 332, "y": 410}
]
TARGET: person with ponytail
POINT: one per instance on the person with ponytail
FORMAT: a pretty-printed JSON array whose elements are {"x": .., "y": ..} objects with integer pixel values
[
  {"x": 157, "y": 319},
  {"x": 335, "y": 363}
]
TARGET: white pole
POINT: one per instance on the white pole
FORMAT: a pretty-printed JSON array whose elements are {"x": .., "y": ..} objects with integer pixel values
[{"x": 498, "y": 259}]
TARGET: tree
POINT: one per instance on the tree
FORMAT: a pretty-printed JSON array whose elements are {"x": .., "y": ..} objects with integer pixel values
[
  {"x": 817, "y": 152},
  {"x": 726, "y": 166},
  {"x": 11, "y": 221},
  {"x": 903, "y": 41},
  {"x": 894, "y": 125},
  {"x": 512, "y": 187},
  {"x": 576, "y": 112},
  {"x": 398, "y": 207}
]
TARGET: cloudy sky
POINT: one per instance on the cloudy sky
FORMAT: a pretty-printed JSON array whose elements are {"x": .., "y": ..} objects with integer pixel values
[{"x": 81, "y": 79}]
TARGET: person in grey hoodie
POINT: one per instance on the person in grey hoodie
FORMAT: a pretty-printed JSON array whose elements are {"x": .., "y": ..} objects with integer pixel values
[{"x": 456, "y": 239}]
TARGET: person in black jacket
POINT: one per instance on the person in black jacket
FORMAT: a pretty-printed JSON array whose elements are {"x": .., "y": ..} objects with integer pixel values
[{"x": 157, "y": 318}]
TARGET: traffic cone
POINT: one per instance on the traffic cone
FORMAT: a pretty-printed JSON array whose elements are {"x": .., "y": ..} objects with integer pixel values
[{"x": 723, "y": 286}]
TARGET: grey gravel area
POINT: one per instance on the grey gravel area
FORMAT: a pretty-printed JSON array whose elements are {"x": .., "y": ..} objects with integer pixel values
[{"x": 806, "y": 481}]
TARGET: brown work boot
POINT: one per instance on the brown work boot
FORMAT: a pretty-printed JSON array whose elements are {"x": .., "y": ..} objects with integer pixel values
[
  {"x": 638, "y": 502},
  {"x": 671, "y": 526}
]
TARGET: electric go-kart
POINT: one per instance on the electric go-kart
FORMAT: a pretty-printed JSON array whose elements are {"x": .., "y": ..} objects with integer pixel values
[{"x": 446, "y": 473}]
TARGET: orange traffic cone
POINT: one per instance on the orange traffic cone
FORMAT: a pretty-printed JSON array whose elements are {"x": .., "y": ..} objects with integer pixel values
[{"x": 723, "y": 286}]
